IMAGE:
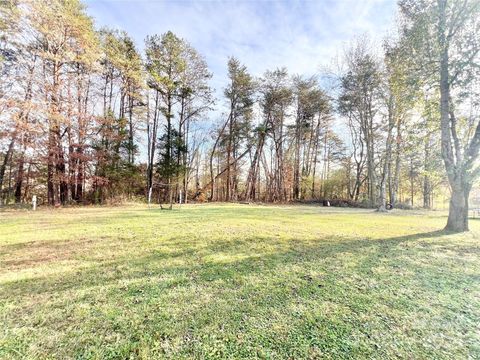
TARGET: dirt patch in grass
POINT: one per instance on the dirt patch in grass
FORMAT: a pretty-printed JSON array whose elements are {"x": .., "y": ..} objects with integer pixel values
[{"x": 37, "y": 253}]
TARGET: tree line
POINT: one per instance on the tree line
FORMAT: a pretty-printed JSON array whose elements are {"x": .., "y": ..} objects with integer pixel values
[{"x": 85, "y": 117}]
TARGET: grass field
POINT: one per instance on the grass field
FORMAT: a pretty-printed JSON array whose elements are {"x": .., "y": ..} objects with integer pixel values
[{"x": 237, "y": 281}]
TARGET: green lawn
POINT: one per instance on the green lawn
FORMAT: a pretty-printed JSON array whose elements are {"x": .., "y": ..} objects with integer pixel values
[{"x": 237, "y": 281}]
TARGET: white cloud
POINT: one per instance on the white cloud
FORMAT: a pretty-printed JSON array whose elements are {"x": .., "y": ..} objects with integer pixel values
[
  {"x": 300, "y": 35},
  {"x": 263, "y": 34}
]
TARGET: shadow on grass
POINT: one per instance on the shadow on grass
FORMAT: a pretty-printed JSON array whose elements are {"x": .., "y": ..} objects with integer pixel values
[
  {"x": 155, "y": 262},
  {"x": 238, "y": 284}
]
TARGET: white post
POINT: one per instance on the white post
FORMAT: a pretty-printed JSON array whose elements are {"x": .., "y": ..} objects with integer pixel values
[
  {"x": 149, "y": 196},
  {"x": 180, "y": 197},
  {"x": 34, "y": 202}
]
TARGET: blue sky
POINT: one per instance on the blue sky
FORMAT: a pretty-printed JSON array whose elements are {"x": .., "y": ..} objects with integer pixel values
[{"x": 303, "y": 36}]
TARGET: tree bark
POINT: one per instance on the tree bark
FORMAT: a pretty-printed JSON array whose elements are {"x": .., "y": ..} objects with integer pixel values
[
  {"x": 229, "y": 154},
  {"x": 458, "y": 211},
  {"x": 19, "y": 180},
  {"x": 212, "y": 155},
  {"x": 6, "y": 159},
  {"x": 382, "y": 205},
  {"x": 456, "y": 171}
]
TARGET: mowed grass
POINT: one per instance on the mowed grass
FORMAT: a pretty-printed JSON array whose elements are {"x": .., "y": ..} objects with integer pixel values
[{"x": 237, "y": 281}]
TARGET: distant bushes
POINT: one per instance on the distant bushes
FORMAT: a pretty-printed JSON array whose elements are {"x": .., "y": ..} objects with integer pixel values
[
  {"x": 337, "y": 203},
  {"x": 348, "y": 203},
  {"x": 403, "y": 206}
]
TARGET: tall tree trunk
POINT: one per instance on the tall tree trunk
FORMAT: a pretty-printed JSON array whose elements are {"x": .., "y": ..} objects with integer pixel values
[
  {"x": 458, "y": 211},
  {"x": 80, "y": 176},
  {"x": 19, "y": 179},
  {"x": 396, "y": 176},
  {"x": 54, "y": 167},
  {"x": 427, "y": 188},
  {"x": 314, "y": 166},
  {"x": 212, "y": 155},
  {"x": 382, "y": 206},
  {"x": 51, "y": 166},
  {"x": 185, "y": 159},
  {"x": 6, "y": 159},
  {"x": 280, "y": 173},
  {"x": 72, "y": 165},
  {"x": 152, "y": 142},
  {"x": 456, "y": 172},
  {"x": 168, "y": 150},
  {"x": 412, "y": 185},
  {"x": 296, "y": 170},
  {"x": 370, "y": 169},
  {"x": 253, "y": 175},
  {"x": 229, "y": 155},
  {"x": 61, "y": 171},
  {"x": 131, "y": 144}
]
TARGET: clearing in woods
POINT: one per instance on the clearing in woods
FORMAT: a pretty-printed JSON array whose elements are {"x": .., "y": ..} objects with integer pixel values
[{"x": 237, "y": 281}]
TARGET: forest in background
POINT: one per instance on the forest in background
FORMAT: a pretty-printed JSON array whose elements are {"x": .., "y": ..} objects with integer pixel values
[{"x": 85, "y": 117}]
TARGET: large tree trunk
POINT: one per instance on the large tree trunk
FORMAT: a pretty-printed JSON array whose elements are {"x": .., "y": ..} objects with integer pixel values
[
  {"x": 456, "y": 172},
  {"x": 458, "y": 212}
]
